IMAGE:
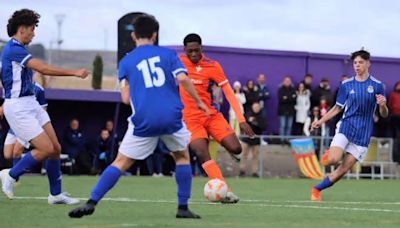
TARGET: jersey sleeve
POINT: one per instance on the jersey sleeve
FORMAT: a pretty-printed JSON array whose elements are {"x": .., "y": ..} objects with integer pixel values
[
  {"x": 176, "y": 65},
  {"x": 122, "y": 73},
  {"x": 218, "y": 75},
  {"x": 342, "y": 96},
  {"x": 20, "y": 55},
  {"x": 381, "y": 89}
]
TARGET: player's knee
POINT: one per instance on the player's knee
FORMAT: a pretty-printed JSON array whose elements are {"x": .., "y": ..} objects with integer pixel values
[
  {"x": 57, "y": 148},
  {"x": 49, "y": 150},
  {"x": 237, "y": 149}
]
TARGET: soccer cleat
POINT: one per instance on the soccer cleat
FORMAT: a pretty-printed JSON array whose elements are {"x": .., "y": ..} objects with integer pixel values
[
  {"x": 61, "y": 198},
  {"x": 186, "y": 214},
  {"x": 230, "y": 198},
  {"x": 315, "y": 194},
  {"x": 235, "y": 157},
  {"x": 325, "y": 158},
  {"x": 7, "y": 183},
  {"x": 79, "y": 212}
]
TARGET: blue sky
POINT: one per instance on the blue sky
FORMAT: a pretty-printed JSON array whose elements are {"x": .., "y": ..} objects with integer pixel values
[{"x": 330, "y": 26}]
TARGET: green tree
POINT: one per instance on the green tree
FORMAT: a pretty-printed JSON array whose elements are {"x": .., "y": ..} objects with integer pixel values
[{"x": 97, "y": 72}]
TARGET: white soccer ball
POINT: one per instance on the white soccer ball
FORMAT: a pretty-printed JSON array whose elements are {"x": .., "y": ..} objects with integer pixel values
[{"x": 215, "y": 190}]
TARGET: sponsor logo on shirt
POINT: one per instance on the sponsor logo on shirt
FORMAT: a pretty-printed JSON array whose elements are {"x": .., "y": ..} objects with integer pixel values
[
  {"x": 197, "y": 81},
  {"x": 352, "y": 91}
]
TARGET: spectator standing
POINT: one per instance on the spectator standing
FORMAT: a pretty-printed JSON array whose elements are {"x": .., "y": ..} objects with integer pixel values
[
  {"x": 394, "y": 106},
  {"x": 323, "y": 90},
  {"x": 252, "y": 95},
  {"x": 240, "y": 96},
  {"x": 255, "y": 118},
  {"x": 217, "y": 96},
  {"x": 302, "y": 107},
  {"x": 263, "y": 92},
  {"x": 307, "y": 81},
  {"x": 314, "y": 116},
  {"x": 287, "y": 100},
  {"x": 154, "y": 162}
]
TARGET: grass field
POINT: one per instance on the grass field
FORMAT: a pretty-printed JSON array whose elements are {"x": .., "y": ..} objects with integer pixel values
[{"x": 150, "y": 202}]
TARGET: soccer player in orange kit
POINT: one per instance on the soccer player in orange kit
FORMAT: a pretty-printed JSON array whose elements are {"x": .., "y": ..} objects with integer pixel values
[{"x": 204, "y": 71}]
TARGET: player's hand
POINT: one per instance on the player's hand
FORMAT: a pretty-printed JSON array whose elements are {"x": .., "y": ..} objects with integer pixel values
[
  {"x": 380, "y": 99},
  {"x": 203, "y": 107},
  {"x": 246, "y": 129},
  {"x": 315, "y": 125},
  {"x": 82, "y": 73}
]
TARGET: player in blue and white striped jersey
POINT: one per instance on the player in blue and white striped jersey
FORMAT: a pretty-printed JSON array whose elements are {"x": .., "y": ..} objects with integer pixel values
[
  {"x": 358, "y": 96},
  {"x": 23, "y": 113}
]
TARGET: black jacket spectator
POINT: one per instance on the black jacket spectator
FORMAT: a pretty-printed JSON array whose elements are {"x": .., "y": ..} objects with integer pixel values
[
  {"x": 323, "y": 90},
  {"x": 256, "y": 120},
  {"x": 252, "y": 95},
  {"x": 287, "y": 100}
]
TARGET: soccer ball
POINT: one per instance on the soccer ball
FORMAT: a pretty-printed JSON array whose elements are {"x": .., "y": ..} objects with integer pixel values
[{"x": 215, "y": 190}]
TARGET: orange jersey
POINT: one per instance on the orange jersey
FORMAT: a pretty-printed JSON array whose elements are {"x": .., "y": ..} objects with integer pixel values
[{"x": 201, "y": 74}]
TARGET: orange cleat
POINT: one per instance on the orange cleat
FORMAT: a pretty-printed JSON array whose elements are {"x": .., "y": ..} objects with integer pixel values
[
  {"x": 324, "y": 158},
  {"x": 315, "y": 194}
]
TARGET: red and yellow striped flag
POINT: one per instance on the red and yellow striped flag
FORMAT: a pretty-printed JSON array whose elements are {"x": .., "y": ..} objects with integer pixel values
[{"x": 304, "y": 153}]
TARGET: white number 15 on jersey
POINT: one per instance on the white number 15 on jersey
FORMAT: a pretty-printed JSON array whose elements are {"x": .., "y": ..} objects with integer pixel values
[{"x": 147, "y": 65}]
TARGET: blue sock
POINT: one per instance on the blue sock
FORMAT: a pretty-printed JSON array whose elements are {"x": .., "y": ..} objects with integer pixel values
[
  {"x": 16, "y": 160},
  {"x": 53, "y": 168},
  {"x": 107, "y": 180},
  {"x": 26, "y": 163},
  {"x": 183, "y": 177},
  {"x": 325, "y": 183}
]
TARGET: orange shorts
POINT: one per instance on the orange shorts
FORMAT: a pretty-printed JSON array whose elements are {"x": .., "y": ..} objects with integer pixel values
[{"x": 215, "y": 126}]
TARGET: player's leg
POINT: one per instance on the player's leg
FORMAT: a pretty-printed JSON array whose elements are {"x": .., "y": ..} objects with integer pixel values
[
  {"x": 183, "y": 170},
  {"x": 199, "y": 145},
  {"x": 220, "y": 130},
  {"x": 18, "y": 149},
  {"x": 337, "y": 148},
  {"x": 106, "y": 182},
  {"x": 43, "y": 148},
  {"x": 9, "y": 146},
  {"x": 53, "y": 167},
  {"x": 132, "y": 148}
]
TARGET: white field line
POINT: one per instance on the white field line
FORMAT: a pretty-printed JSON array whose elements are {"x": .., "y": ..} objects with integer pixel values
[{"x": 266, "y": 203}]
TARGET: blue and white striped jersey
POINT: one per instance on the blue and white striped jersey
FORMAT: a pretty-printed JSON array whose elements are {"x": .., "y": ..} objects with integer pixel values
[
  {"x": 359, "y": 103},
  {"x": 16, "y": 77}
]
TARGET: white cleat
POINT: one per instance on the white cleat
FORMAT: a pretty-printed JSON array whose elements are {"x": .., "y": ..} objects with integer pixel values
[
  {"x": 7, "y": 183},
  {"x": 230, "y": 198},
  {"x": 62, "y": 199}
]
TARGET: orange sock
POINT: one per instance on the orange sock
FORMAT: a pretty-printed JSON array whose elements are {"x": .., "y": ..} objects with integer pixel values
[{"x": 212, "y": 170}]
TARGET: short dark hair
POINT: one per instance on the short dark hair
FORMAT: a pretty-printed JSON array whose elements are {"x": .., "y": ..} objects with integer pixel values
[
  {"x": 23, "y": 17},
  {"x": 362, "y": 53},
  {"x": 308, "y": 75},
  {"x": 192, "y": 37},
  {"x": 145, "y": 25}
]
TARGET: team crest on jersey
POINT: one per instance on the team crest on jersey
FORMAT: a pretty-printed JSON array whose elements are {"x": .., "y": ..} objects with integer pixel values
[
  {"x": 198, "y": 68},
  {"x": 370, "y": 89}
]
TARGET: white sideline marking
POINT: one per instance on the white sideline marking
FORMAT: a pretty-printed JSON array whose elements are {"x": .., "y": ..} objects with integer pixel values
[
  {"x": 266, "y": 203},
  {"x": 322, "y": 202}
]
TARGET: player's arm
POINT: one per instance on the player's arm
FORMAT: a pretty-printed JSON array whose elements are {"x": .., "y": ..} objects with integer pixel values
[
  {"x": 234, "y": 103},
  {"x": 124, "y": 88},
  {"x": 383, "y": 109},
  {"x": 185, "y": 82},
  {"x": 47, "y": 69},
  {"x": 329, "y": 115}
]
